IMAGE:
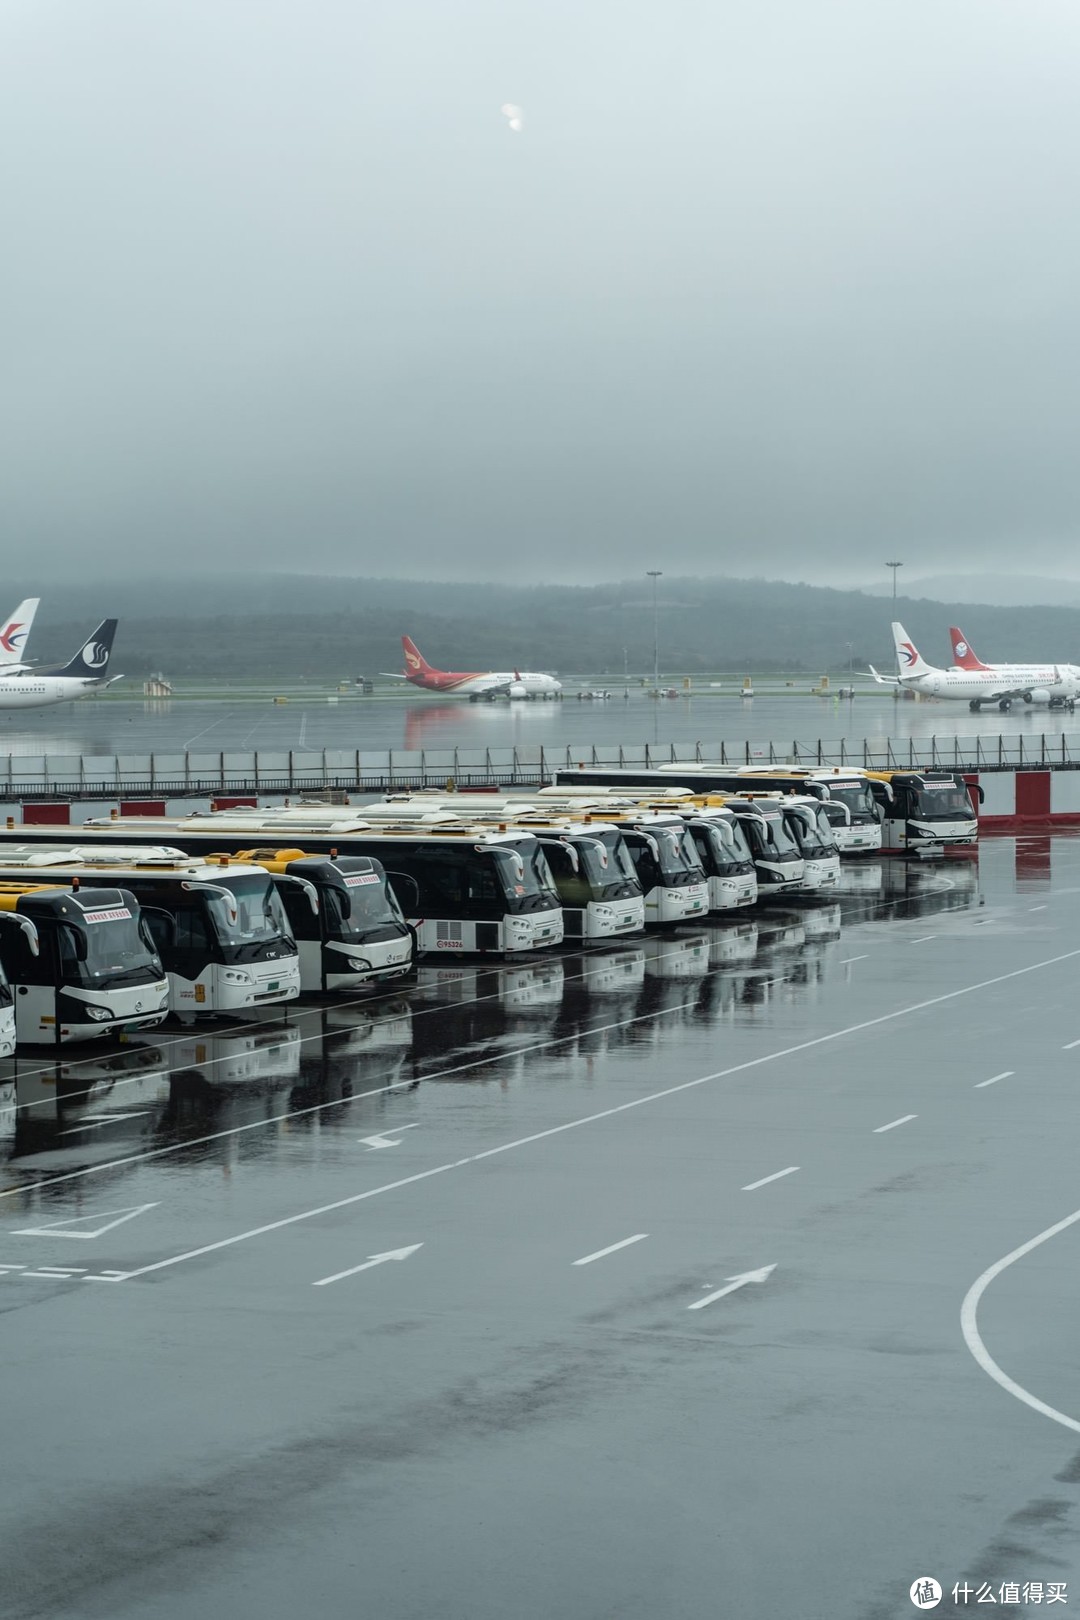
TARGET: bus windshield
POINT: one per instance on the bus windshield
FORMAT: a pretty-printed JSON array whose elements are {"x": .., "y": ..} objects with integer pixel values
[
  {"x": 856, "y": 796},
  {"x": 525, "y": 876},
  {"x": 941, "y": 801},
  {"x": 256, "y": 920},
  {"x": 769, "y": 837},
  {"x": 678, "y": 853},
  {"x": 808, "y": 834},
  {"x": 729, "y": 844},
  {"x": 367, "y": 903},
  {"x": 605, "y": 862},
  {"x": 118, "y": 951}
]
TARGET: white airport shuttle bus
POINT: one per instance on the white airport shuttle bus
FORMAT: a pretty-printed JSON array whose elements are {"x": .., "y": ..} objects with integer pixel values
[
  {"x": 664, "y": 854},
  {"x": 218, "y": 928},
  {"x": 589, "y": 861},
  {"x": 81, "y": 961},
  {"x": 808, "y": 825},
  {"x": 925, "y": 811},
  {"x": 846, "y": 793},
  {"x": 725, "y": 856},
  {"x": 346, "y": 921},
  {"x": 463, "y": 888}
]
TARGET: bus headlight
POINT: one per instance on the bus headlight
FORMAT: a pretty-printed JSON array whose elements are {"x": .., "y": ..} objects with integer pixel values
[
  {"x": 237, "y": 976},
  {"x": 98, "y": 1014}
]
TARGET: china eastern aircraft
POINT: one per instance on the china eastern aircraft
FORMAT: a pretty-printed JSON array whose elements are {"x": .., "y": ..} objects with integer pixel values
[
  {"x": 14, "y": 634},
  {"x": 1037, "y": 680},
  {"x": 474, "y": 684},
  {"x": 86, "y": 673},
  {"x": 973, "y": 687}
]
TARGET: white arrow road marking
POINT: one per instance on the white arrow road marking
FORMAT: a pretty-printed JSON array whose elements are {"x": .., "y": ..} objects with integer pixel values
[
  {"x": 1006, "y": 1074},
  {"x": 922, "y": 939},
  {"x": 740, "y": 1281},
  {"x": 92, "y": 1121},
  {"x": 588, "y": 1259},
  {"x": 893, "y": 1123},
  {"x": 973, "y": 1339},
  {"x": 375, "y": 1260},
  {"x": 386, "y": 1141},
  {"x": 63, "y": 1228},
  {"x": 764, "y": 1182}
]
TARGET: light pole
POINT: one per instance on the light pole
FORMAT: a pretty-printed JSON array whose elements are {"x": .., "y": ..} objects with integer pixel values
[
  {"x": 894, "y": 566},
  {"x": 654, "y": 574}
]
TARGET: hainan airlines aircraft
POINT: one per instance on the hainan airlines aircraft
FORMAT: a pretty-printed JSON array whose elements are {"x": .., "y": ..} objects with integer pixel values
[
  {"x": 973, "y": 687},
  {"x": 474, "y": 684},
  {"x": 86, "y": 673},
  {"x": 14, "y": 635},
  {"x": 1037, "y": 680}
]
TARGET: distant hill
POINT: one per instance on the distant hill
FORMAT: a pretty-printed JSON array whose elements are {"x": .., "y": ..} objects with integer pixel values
[
  {"x": 302, "y": 626},
  {"x": 993, "y": 590}
]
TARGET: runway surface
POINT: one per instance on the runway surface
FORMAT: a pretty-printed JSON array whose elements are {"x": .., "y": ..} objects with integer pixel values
[{"x": 621, "y": 1285}]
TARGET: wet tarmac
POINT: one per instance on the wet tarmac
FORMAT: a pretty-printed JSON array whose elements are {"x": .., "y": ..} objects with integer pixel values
[{"x": 621, "y": 1284}]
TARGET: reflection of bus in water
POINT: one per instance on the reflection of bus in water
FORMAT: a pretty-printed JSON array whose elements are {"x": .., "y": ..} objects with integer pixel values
[
  {"x": 347, "y": 1050},
  {"x": 608, "y": 973},
  {"x": 251, "y": 1056},
  {"x": 861, "y": 878},
  {"x": 915, "y": 889},
  {"x": 677, "y": 956},
  {"x": 733, "y": 945},
  {"x": 519, "y": 988},
  {"x": 822, "y": 923}
]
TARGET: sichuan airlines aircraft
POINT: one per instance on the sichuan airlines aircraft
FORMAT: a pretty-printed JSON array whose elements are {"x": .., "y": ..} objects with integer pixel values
[
  {"x": 14, "y": 635},
  {"x": 973, "y": 687},
  {"x": 86, "y": 673},
  {"x": 474, "y": 684},
  {"x": 1037, "y": 680}
]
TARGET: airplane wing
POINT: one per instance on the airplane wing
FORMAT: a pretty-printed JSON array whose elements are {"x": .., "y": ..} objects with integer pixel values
[
  {"x": 999, "y": 693},
  {"x": 882, "y": 680}
]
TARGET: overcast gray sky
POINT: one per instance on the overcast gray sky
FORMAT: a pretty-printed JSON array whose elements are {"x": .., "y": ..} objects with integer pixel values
[{"x": 776, "y": 287}]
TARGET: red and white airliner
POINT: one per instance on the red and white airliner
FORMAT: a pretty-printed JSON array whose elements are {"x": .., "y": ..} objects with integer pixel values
[
  {"x": 477, "y": 685},
  {"x": 1036, "y": 681}
]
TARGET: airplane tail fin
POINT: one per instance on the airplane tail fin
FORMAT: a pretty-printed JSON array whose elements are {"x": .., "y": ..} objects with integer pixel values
[
  {"x": 15, "y": 632},
  {"x": 908, "y": 656},
  {"x": 415, "y": 662},
  {"x": 964, "y": 655},
  {"x": 91, "y": 662}
]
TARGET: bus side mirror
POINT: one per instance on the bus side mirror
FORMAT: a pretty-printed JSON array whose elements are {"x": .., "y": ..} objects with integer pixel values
[
  {"x": 406, "y": 891},
  {"x": 27, "y": 927},
  {"x": 879, "y": 811}
]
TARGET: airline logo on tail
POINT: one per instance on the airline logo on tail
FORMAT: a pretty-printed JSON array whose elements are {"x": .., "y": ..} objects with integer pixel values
[
  {"x": 411, "y": 658},
  {"x": 95, "y": 655},
  {"x": 12, "y": 636},
  {"x": 907, "y": 652},
  {"x": 963, "y": 652}
]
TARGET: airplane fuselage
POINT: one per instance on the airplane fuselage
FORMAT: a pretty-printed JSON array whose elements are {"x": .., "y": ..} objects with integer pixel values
[
  {"x": 476, "y": 683},
  {"x": 35, "y": 692},
  {"x": 993, "y": 685}
]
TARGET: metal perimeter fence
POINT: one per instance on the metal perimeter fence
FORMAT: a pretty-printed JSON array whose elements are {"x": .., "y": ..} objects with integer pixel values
[{"x": 85, "y": 776}]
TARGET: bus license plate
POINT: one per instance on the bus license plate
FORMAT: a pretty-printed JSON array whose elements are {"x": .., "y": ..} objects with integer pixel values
[{"x": 275, "y": 984}]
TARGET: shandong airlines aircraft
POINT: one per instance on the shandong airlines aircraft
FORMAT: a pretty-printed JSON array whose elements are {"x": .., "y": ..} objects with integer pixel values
[
  {"x": 973, "y": 687},
  {"x": 86, "y": 673},
  {"x": 474, "y": 684}
]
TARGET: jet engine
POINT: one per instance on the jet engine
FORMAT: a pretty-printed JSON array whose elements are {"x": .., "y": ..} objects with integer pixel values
[
  {"x": 1039, "y": 694},
  {"x": 517, "y": 689}
]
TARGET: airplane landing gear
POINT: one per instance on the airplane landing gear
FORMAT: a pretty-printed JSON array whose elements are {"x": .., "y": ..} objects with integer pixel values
[
  {"x": 975, "y": 705},
  {"x": 1005, "y": 704}
]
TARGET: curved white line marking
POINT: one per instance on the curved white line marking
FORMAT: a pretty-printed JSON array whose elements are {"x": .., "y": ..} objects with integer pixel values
[{"x": 973, "y": 1339}]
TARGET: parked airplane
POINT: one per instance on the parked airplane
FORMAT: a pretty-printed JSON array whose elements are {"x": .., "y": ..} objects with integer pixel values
[
  {"x": 474, "y": 684},
  {"x": 86, "y": 673},
  {"x": 1037, "y": 679},
  {"x": 973, "y": 687},
  {"x": 14, "y": 635}
]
